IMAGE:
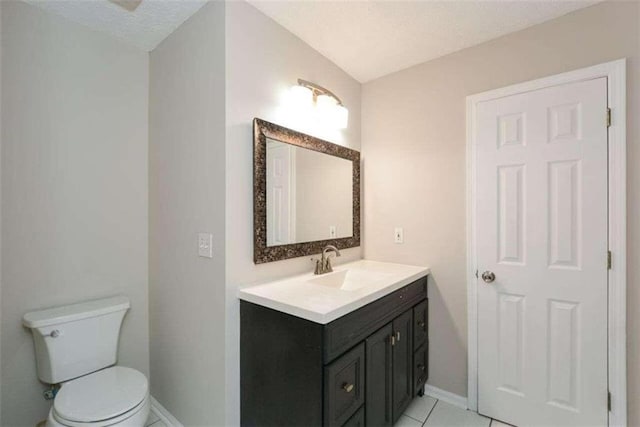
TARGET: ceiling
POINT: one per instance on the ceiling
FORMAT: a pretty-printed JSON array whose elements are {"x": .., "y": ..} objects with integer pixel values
[
  {"x": 366, "y": 38},
  {"x": 369, "y": 39},
  {"x": 145, "y": 27}
]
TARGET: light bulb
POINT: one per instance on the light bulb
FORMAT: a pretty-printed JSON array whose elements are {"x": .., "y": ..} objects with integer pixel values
[
  {"x": 300, "y": 97},
  {"x": 341, "y": 116},
  {"x": 325, "y": 103},
  {"x": 330, "y": 113}
]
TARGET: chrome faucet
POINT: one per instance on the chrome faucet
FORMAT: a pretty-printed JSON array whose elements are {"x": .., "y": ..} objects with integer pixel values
[{"x": 323, "y": 265}]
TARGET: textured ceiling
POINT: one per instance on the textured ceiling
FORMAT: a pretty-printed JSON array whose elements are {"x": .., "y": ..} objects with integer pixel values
[
  {"x": 369, "y": 39},
  {"x": 366, "y": 38},
  {"x": 145, "y": 27}
]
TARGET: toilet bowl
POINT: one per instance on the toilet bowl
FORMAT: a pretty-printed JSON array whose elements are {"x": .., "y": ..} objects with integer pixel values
[
  {"x": 76, "y": 347},
  {"x": 115, "y": 396}
]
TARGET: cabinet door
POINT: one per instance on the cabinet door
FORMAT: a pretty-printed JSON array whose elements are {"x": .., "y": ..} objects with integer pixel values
[
  {"x": 379, "y": 378},
  {"x": 357, "y": 420},
  {"x": 402, "y": 363}
]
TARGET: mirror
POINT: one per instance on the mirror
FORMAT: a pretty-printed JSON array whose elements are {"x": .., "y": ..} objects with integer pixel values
[{"x": 306, "y": 194}]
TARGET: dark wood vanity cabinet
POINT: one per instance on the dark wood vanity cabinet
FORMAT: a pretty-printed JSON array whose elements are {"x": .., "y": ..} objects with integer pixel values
[
  {"x": 421, "y": 347},
  {"x": 402, "y": 349},
  {"x": 357, "y": 420},
  {"x": 362, "y": 369},
  {"x": 420, "y": 318},
  {"x": 379, "y": 377},
  {"x": 344, "y": 387}
]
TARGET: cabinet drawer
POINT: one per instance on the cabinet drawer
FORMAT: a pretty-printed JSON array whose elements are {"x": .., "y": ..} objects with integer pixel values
[
  {"x": 348, "y": 330},
  {"x": 344, "y": 387},
  {"x": 357, "y": 420},
  {"x": 420, "y": 367},
  {"x": 420, "y": 323}
]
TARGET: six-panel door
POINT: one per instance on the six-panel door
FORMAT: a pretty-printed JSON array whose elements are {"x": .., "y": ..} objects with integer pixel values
[{"x": 542, "y": 240}]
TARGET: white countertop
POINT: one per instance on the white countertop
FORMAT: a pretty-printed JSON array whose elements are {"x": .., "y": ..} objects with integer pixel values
[{"x": 301, "y": 297}]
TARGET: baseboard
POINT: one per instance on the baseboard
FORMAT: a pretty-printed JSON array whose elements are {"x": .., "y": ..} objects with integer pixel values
[
  {"x": 446, "y": 396},
  {"x": 435, "y": 392},
  {"x": 164, "y": 415}
]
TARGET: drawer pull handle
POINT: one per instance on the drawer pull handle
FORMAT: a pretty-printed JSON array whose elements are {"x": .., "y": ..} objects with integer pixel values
[
  {"x": 347, "y": 387},
  {"x": 393, "y": 340},
  {"x": 398, "y": 336}
]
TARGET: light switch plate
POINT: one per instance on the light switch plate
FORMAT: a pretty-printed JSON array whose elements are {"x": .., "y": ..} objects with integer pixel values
[
  {"x": 398, "y": 235},
  {"x": 205, "y": 245}
]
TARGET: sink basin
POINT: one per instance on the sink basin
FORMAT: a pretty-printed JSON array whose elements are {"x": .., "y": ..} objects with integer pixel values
[
  {"x": 327, "y": 297},
  {"x": 346, "y": 280}
]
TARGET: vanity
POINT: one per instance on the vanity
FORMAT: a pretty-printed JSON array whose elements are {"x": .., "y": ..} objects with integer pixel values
[
  {"x": 346, "y": 346},
  {"x": 349, "y": 351}
]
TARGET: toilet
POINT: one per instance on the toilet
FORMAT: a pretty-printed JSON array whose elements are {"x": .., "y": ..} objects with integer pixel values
[{"x": 76, "y": 347}]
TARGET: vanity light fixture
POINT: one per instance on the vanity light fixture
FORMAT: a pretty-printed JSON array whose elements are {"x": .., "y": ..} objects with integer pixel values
[{"x": 327, "y": 105}]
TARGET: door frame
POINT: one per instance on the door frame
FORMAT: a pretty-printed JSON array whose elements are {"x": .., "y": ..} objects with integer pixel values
[{"x": 615, "y": 72}]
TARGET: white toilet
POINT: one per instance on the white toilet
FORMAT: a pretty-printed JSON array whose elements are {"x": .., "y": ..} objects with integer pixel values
[{"x": 76, "y": 347}]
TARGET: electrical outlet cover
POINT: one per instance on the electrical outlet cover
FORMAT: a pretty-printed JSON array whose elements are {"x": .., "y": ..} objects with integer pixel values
[
  {"x": 398, "y": 235},
  {"x": 205, "y": 245}
]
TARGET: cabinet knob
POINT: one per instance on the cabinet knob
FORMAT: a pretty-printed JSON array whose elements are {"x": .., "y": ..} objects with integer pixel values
[
  {"x": 347, "y": 387},
  {"x": 421, "y": 324},
  {"x": 421, "y": 367}
]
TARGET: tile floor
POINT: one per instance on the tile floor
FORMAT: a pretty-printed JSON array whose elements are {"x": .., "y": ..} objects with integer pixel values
[
  {"x": 429, "y": 412},
  {"x": 423, "y": 411}
]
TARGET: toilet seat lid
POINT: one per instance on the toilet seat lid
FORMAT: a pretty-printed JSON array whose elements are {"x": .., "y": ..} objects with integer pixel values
[{"x": 101, "y": 395}]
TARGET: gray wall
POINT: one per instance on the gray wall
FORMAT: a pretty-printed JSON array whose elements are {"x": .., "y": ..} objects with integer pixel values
[
  {"x": 186, "y": 196},
  {"x": 74, "y": 187},
  {"x": 263, "y": 60},
  {"x": 414, "y": 175}
]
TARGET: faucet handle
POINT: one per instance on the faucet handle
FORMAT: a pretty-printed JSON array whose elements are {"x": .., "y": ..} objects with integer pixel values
[{"x": 319, "y": 266}]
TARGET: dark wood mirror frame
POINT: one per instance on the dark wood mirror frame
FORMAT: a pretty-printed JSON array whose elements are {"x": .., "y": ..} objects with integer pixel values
[{"x": 263, "y": 253}]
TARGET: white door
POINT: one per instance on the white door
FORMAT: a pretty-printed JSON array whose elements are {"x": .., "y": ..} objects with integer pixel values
[
  {"x": 279, "y": 194},
  {"x": 542, "y": 231}
]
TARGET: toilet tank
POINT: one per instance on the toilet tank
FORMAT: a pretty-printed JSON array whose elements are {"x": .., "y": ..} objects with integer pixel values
[{"x": 74, "y": 340}]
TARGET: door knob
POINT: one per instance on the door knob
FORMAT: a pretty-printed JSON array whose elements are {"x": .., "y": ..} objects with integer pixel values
[{"x": 488, "y": 276}]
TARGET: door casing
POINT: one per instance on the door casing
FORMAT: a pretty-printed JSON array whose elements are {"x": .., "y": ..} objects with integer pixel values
[{"x": 615, "y": 72}]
